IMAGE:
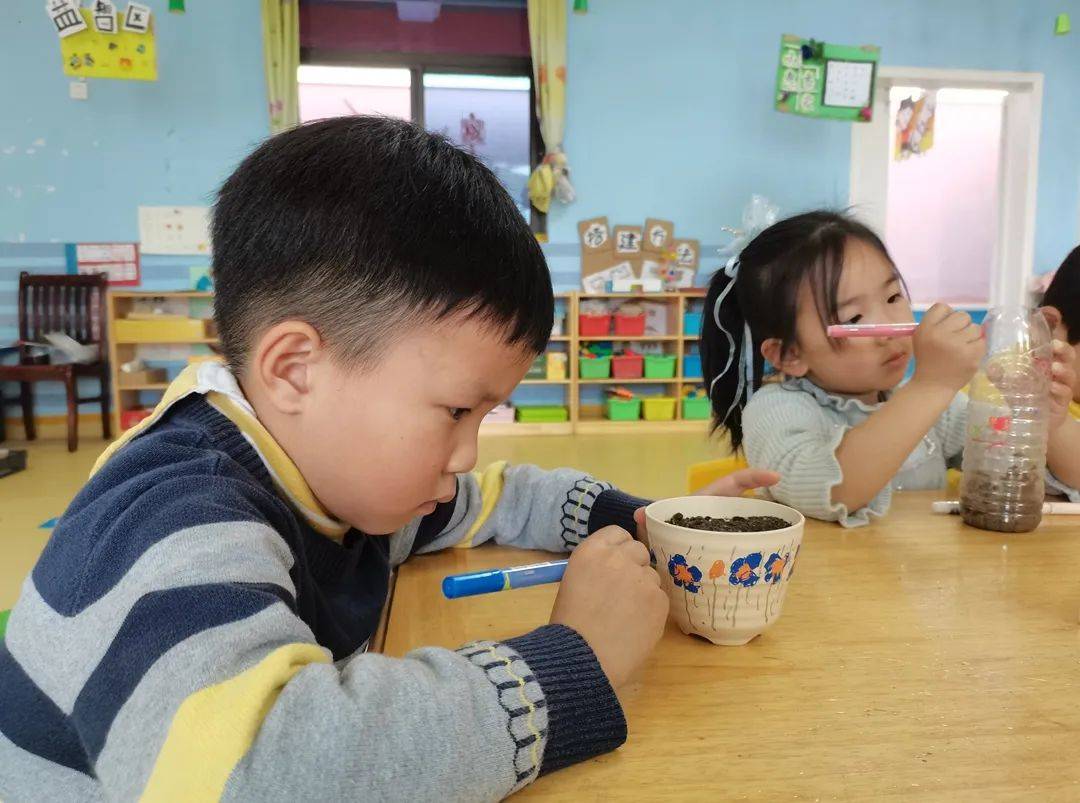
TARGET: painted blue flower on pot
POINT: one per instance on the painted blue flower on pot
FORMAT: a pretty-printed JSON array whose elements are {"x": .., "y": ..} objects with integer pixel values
[
  {"x": 774, "y": 567},
  {"x": 742, "y": 570},
  {"x": 685, "y": 576}
]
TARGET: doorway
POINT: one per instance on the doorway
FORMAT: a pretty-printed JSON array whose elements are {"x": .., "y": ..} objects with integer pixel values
[{"x": 957, "y": 210}]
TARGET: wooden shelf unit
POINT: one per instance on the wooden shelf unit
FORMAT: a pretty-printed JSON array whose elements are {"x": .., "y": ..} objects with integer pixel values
[
  {"x": 588, "y": 419},
  {"x": 122, "y": 350}
]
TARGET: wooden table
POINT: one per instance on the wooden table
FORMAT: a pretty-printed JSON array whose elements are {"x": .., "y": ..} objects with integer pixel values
[{"x": 915, "y": 657}]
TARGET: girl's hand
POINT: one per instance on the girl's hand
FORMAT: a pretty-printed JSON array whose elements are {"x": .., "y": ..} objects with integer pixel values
[
  {"x": 734, "y": 484},
  {"x": 1062, "y": 380},
  {"x": 948, "y": 348},
  {"x": 738, "y": 482}
]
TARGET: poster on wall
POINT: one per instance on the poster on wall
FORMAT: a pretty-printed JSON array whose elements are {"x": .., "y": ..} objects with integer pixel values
[
  {"x": 118, "y": 261},
  {"x": 915, "y": 126},
  {"x": 111, "y": 44},
  {"x": 834, "y": 82},
  {"x": 66, "y": 17},
  {"x": 174, "y": 229}
]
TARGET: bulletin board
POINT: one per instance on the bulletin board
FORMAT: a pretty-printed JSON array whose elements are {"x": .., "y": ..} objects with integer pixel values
[
  {"x": 124, "y": 54},
  {"x": 835, "y": 82}
]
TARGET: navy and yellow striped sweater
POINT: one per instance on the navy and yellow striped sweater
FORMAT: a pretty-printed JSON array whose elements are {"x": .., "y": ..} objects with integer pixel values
[{"x": 196, "y": 628}]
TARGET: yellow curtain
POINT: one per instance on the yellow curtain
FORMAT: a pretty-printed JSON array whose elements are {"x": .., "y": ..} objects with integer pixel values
[
  {"x": 547, "y": 36},
  {"x": 281, "y": 57}
]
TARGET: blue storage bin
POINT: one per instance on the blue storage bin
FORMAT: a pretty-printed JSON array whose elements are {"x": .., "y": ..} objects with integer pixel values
[
  {"x": 692, "y": 323},
  {"x": 692, "y": 365}
]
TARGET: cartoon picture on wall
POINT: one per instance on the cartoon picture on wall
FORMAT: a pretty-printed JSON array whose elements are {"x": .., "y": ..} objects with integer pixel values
[{"x": 915, "y": 126}]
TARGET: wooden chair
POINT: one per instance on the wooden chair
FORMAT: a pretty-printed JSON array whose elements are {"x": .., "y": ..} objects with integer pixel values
[{"x": 75, "y": 306}]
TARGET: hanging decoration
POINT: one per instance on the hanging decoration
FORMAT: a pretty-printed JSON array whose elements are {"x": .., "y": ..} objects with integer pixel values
[
  {"x": 137, "y": 18},
  {"x": 66, "y": 16},
  {"x": 914, "y": 126},
  {"x": 104, "y": 16},
  {"x": 473, "y": 132}
]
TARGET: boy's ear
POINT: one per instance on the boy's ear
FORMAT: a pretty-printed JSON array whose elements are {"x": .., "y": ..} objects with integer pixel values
[
  {"x": 282, "y": 364},
  {"x": 1052, "y": 315},
  {"x": 790, "y": 362}
]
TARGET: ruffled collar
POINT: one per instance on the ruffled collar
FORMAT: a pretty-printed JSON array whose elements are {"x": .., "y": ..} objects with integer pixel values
[{"x": 843, "y": 404}]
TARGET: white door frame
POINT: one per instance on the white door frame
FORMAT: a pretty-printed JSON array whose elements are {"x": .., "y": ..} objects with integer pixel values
[{"x": 1014, "y": 255}]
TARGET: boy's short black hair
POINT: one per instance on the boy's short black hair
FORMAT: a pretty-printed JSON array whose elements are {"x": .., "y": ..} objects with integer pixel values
[
  {"x": 1064, "y": 294},
  {"x": 364, "y": 226}
]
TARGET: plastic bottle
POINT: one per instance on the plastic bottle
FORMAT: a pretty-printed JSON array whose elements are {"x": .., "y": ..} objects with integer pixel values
[{"x": 1005, "y": 452}]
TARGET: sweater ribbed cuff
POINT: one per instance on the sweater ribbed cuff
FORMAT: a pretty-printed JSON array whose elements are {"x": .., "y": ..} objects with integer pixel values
[
  {"x": 584, "y": 716},
  {"x": 614, "y": 507}
]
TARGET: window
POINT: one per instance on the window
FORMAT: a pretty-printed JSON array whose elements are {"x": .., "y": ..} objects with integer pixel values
[
  {"x": 488, "y": 115},
  {"x": 329, "y": 91},
  {"x": 487, "y": 110}
]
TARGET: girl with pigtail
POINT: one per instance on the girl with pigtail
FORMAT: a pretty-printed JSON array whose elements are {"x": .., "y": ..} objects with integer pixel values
[{"x": 834, "y": 417}]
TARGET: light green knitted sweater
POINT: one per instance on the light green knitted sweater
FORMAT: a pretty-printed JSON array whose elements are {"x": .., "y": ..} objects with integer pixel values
[{"x": 794, "y": 427}]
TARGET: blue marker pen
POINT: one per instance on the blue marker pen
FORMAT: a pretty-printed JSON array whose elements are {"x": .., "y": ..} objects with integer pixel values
[{"x": 468, "y": 585}]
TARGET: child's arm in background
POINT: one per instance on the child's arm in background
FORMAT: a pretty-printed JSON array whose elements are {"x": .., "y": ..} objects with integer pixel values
[
  {"x": 1063, "y": 455},
  {"x": 1063, "y": 447},
  {"x": 948, "y": 348}
]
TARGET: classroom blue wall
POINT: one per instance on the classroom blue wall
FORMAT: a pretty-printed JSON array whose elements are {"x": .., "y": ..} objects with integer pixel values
[
  {"x": 669, "y": 108},
  {"x": 154, "y": 143},
  {"x": 74, "y": 171},
  {"x": 669, "y": 114}
]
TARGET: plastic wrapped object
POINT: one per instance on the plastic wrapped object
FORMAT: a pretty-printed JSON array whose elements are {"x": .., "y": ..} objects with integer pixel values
[{"x": 1005, "y": 453}]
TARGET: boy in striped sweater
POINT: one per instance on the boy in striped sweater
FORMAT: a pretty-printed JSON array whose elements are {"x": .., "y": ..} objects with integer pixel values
[{"x": 196, "y": 627}]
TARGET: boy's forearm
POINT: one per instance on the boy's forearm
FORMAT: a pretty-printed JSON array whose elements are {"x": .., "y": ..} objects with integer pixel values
[
  {"x": 433, "y": 726},
  {"x": 1063, "y": 453},
  {"x": 525, "y": 507},
  {"x": 871, "y": 454}
]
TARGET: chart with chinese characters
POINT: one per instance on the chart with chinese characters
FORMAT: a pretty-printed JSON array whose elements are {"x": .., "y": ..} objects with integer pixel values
[{"x": 816, "y": 79}]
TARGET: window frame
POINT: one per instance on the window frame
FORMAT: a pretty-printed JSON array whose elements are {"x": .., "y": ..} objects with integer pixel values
[{"x": 418, "y": 64}]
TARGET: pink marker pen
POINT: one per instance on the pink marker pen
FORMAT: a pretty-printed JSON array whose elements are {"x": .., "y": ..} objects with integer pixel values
[{"x": 872, "y": 329}]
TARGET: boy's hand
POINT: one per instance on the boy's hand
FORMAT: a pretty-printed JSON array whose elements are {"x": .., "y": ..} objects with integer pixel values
[
  {"x": 1062, "y": 380},
  {"x": 734, "y": 484},
  {"x": 611, "y": 597},
  {"x": 948, "y": 348}
]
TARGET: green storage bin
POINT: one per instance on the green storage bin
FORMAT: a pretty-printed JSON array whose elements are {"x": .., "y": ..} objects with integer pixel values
[
  {"x": 624, "y": 409},
  {"x": 538, "y": 370},
  {"x": 696, "y": 408},
  {"x": 659, "y": 366},
  {"x": 595, "y": 367},
  {"x": 542, "y": 414}
]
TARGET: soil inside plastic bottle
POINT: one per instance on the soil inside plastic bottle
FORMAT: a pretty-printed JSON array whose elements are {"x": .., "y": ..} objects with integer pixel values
[{"x": 981, "y": 504}]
